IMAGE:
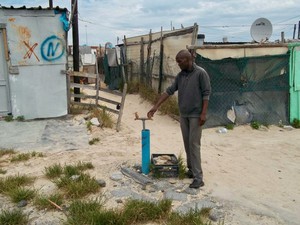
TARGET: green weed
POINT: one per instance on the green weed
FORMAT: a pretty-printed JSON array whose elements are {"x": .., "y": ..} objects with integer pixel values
[
  {"x": 169, "y": 107},
  {"x": 12, "y": 182},
  {"x": 94, "y": 141},
  {"x": 2, "y": 171},
  {"x": 89, "y": 125},
  {"x": 199, "y": 217},
  {"x": 255, "y": 125},
  {"x": 42, "y": 202},
  {"x": 53, "y": 171},
  {"x": 75, "y": 109},
  {"x": 13, "y": 217},
  {"x": 296, "y": 123},
  {"x": 134, "y": 212},
  {"x": 84, "y": 166},
  {"x": 79, "y": 187},
  {"x": 21, "y": 157},
  {"x": 229, "y": 126},
  {"x": 133, "y": 87},
  {"x": 9, "y": 118},
  {"x": 20, "y": 193},
  {"x": 137, "y": 211},
  {"x": 70, "y": 170},
  {"x": 181, "y": 167},
  {"x": 91, "y": 212},
  {"x": 4, "y": 151},
  {"x": 103, "y": 116},
  {"x": 20, "y": 118},
  {"x": 37, "y": 154},
  {"x": 57, "y": 170}
]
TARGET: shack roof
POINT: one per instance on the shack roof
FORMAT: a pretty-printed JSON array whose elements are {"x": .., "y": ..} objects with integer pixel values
[{"x": 33, "y": 8}]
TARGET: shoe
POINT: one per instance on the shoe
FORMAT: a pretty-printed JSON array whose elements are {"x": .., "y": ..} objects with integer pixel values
[
  {"x": 189, "y": 174},
  {"x": 196, "y": 184}
]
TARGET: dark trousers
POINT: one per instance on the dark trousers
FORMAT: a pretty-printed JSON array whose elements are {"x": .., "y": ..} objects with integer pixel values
[{"x": 191, "y": 133}]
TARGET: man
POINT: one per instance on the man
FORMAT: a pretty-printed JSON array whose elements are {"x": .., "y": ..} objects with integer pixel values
[{"x": 193, "y": 86}]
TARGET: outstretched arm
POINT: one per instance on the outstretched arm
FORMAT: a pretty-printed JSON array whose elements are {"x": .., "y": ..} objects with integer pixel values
[{"x": 162, "y": 98}]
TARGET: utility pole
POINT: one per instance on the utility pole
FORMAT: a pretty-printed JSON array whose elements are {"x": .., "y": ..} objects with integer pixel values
[
  {"x": 299, "y": 30},
  {"x": 51, "y": 4},
  {"x": 294, "y": 33},
  {"x": 75, "y": 46},
  {"x": 86, "y": 39}
]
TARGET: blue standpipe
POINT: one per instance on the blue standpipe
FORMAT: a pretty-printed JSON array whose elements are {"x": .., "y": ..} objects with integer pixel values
[
  {"x": 145, "y": 145},
  {"x": 145, "y": 151}
]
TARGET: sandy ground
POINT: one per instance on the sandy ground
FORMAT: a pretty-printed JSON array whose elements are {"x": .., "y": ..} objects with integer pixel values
[{"x": 254, "y": 174}]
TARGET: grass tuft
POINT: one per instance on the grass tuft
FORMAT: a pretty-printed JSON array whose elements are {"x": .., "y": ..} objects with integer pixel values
[
  {"x": 94, "y": 141},
  {"x": 20, "y": 118},
  {"x": 21, "y": 157},
  {"x": 12, "y": 182},
  {"x": 134, "y": 212},
  {"x": 80, "y": 206},
  {"x": 89, "y": 125},
  {"x": 9, "y": 118},
  {"x": 37, "y": 154},
  {"x": 182, "y": 167},
  {"x": 296, "y": 123},
  {"x": 229, "y": 126},
  {"x": 57, "y": 170},
  {"x": 137, "y": 211},
  {"x": 2, "y": 171},
  {"x": 84, "y": 166},
  {"x": 70, "y": 170},
  {"x": 79, "y": 109},
  {"x": 42, "y": 202},
  {"x": 255, "y": 125},
  {"x": 53, "y": 171},
  {"x": 133, "y": 87},
  {"x": 20, "y": 193},
  {"x": 199, "y": 217},
  {"x": 4, "y": 151},
  {"x": 79, "y": 187},
  {"x": 13, "y": 217},
  {"x": 26, "y": 156},
  {"x": 103, "y": 116},
  {"x": 92, "y": 212},
  {"x": 169, "y": 107}
]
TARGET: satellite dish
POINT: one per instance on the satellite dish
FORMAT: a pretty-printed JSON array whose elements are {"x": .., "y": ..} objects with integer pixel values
[{"x": 261, "y": 30}]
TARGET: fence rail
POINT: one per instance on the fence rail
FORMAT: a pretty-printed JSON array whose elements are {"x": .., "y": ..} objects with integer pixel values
[{"x": 115, "y": 106}]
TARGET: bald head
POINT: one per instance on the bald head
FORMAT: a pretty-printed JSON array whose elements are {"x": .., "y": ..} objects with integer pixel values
[
  {"x": 184, "y": 60},
  {"x": 184, "y": 54}
]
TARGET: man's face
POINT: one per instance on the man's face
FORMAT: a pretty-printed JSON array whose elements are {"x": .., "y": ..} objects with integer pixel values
[{"x": 182, "y": 62}]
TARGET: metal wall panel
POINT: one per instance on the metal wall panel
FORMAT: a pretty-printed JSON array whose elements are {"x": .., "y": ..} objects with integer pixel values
[{"x": 37, "y": 45}]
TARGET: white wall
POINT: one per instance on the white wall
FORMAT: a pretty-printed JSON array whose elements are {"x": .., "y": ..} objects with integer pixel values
[{"x": 37, "y": 45}]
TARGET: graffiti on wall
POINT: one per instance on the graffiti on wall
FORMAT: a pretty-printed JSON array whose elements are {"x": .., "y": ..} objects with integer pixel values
[
  {"x": 30, "y": 44},
  {"x": 30, "y": 51},
  {"x": 52, "y": 48}
]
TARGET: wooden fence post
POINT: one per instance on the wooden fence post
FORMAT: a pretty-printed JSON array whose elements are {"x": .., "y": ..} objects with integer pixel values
[
  {"x": 142, "y": 73},
  {"x": 149, "y": 74},
  {"x": 161, "y": 61}
]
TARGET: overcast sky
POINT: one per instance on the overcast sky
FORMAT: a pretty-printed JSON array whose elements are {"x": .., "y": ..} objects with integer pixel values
[{"x": 102, "y": 21}]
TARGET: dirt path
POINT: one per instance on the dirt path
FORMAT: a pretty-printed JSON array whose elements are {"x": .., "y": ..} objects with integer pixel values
[{"x": 253, "y": 175}]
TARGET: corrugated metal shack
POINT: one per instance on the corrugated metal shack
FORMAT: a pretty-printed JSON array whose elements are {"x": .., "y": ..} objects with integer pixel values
[{"x": 33, "y": 52}]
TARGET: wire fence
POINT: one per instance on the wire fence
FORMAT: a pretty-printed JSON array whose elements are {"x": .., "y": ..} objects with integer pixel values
[{"x": 248, "y": 89}]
